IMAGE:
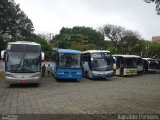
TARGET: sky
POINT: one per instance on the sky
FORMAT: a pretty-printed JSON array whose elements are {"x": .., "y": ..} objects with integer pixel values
[{"x": 49, "y": 16}]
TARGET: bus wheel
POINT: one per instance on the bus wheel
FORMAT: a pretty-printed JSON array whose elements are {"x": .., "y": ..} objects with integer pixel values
[
  {"x": 78, "y": 80},
  {"x": 145, "y": 71},
  {"x": 36, "y": 84},
  {"x": 10, "y": 85}
]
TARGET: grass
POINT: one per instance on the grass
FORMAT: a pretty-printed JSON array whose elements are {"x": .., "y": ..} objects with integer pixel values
[{"x": 1, "y": 75}]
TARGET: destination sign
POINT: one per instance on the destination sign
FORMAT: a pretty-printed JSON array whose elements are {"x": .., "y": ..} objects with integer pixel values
[{"x": 100, "y": 55}]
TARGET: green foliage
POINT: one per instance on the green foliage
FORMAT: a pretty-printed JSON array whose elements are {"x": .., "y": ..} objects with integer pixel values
[
  {"x": 110, "y": 47},
  {"x": 123, "y": 40},
  {"x": 79, "y": 36},
  {"x": 153, "y": 49},
  {"x": 46, "y": 48},
  {"x": 128, "y": 45},
  {"x": 13, "y": 22}
]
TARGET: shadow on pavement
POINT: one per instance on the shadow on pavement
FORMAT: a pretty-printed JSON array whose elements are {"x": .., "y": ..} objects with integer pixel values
[{"x": 23, "y": 85}]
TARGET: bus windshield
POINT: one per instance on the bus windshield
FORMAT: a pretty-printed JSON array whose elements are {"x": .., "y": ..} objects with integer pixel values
[
  {"x": 128, "y": 63},
  {"x": 152, "y": 64},
  {"x": 102, "y": 64},
  {"x": 20, "y": 62},
  {"x": 69, "y": 61},
  {"x": 101, "y": 61}
]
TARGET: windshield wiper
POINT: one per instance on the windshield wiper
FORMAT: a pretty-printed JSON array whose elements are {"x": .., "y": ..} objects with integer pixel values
[{"x": 28, "y": 70}]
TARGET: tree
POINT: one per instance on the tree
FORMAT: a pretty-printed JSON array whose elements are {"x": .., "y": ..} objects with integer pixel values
[
  {"x": 46, "y": 48},
  {"x": 121, "y": 38},
  {"x": 153, "y": 49},
  {"x": 13, "y": 22},
  {"x": 114, "y": 33},
  {"x": 79, "y": 36},
  {"x": 157, "y": 2},
  {"x": 129, "y": 42}
]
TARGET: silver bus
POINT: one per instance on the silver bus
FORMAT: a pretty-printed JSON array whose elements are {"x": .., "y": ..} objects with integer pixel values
[{"x": 22, "y": 62}]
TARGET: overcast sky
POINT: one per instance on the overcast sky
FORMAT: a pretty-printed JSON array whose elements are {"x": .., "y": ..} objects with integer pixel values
[{"x": 49, "y": 16}]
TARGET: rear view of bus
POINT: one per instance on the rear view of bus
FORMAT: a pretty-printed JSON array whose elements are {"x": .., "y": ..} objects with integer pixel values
[
  {"x": 97, "y": 64},
  {"x": 67, "y": 64},
  {"x": 22, "y": 62}
]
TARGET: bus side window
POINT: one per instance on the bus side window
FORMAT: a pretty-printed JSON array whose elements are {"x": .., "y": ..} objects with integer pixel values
[{"x": 122, "y": 63}]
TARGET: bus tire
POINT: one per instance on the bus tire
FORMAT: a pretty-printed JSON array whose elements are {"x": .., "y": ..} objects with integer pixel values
[
  {"x": 10, "y": 85},
  {"x": 36, "y": 84},
  {"x": 78, "y": 80}
]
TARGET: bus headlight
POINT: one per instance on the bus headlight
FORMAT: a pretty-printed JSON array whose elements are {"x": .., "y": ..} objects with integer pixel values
[
  {"x": 36, "y": 75},
  {"x": 8, "y": 75}
]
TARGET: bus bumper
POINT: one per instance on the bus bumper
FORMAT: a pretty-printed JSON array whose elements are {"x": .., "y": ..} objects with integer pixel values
[
  {"x": 152, "y": 70},
  {"x": 14, "y": 78},
  {"x": 100, "y": 74},
  {"x": 76, "y": 77},
  {"x": 68, "y": 74}
]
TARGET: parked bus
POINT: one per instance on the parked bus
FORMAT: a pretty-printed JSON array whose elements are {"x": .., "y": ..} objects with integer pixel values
[
  {"x": 67, "y": 64},
  {"x": 97, "y": 64},
  {"x": 149, "y": 65},
  {"x": 125, "y": 65},
  {"x": 22, "y": 62},
  {"x": 158, "y": 65}
]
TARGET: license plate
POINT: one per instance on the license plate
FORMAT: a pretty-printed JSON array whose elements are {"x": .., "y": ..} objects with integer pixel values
[{"x": 23, "y": 81}]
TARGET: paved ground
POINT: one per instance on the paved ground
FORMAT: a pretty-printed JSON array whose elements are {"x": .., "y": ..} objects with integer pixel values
[{"x": 140, "y": 94}]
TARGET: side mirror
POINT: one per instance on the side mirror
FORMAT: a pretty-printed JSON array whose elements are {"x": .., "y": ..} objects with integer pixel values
[
  {"x": 42, "y": 56},
  {"x": 3, "y": 54}
]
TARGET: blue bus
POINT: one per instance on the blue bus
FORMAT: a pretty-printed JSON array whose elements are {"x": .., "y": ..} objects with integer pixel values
[
  {"x": 97, "y": 64},
  {"x": 67, "y": 64}
]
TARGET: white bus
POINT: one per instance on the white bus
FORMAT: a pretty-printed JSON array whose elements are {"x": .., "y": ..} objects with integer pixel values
[
  {"x": 150, "y": 65},
  {"x": 125, "y": 65},
  {"x": 97, "y": 64},
  {"x": 22, "y": 62}
]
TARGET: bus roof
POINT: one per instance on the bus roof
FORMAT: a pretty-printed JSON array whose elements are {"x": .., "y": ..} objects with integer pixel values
[
  {"x": 24, "y": 42},
  {"x": 126, "y": 56},
  {"x": 95, "y": 51},
  {"x": 69, "y": 51},
  {"x": 148, "y": 58}
]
